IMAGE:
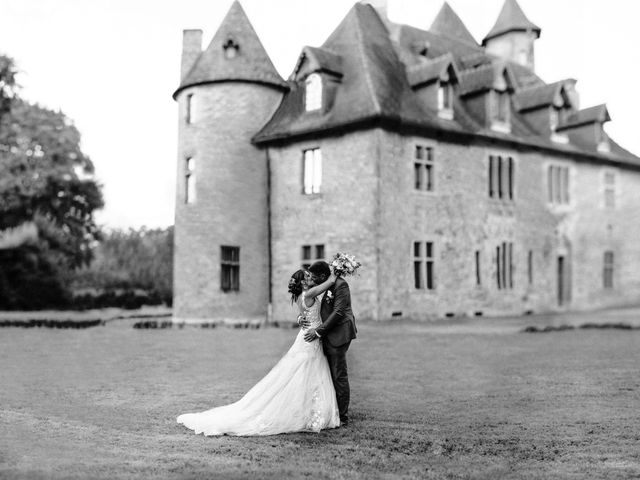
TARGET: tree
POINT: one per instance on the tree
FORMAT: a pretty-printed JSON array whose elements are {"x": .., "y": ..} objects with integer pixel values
[
  {"x": 131, "y": 260},
  {"x": 45, "y": 179}
]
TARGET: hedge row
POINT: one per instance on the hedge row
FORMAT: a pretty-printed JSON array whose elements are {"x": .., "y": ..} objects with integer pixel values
[
  {"x": 584, "y": 326},
  {"x": 51, "y": 323},
  {"x": 128, "y": 300},
  {"x": 168, "y": 324}
]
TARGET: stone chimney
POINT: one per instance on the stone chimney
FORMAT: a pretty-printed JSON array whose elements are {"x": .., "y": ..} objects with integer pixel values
[{"x": 191, "y": 49}]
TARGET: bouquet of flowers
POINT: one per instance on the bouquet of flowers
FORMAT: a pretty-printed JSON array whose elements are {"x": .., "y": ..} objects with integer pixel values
[{"x": 344, "y": 264}]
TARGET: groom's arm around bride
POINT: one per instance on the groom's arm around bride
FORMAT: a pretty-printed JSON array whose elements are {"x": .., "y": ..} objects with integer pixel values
[{"x": 336, "y": 311}]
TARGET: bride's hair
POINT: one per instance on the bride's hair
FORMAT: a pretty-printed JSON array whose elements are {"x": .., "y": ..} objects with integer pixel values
[{"x": 296, "y": 285}]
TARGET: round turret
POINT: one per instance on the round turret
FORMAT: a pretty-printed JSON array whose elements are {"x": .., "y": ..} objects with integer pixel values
[{"x": 227, "y": 93}]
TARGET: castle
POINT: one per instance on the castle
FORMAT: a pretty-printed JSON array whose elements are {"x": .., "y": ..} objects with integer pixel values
[{"x": 464, "y": 183}]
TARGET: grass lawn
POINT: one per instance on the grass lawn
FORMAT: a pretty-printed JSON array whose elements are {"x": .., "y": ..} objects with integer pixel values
[{"x": 427, "y": 402}]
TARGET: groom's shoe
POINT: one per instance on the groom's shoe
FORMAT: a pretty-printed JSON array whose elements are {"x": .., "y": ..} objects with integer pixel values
[{"x": 344, "y": 422}]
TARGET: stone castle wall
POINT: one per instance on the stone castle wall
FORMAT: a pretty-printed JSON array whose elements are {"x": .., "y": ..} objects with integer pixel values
[{"x": 231, "y": 201}]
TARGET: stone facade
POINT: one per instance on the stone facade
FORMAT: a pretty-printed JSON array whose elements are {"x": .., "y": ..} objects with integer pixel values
[
  {"x": 231, "y": 200},
  {"x": 248, "y": 139}
]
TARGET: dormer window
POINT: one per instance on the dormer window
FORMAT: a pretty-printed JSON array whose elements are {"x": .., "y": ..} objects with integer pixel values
[
  {"x": 445, "y": 100},
  {"x": 523, "y": 57},
  {"x": 230, "y": 49},
  {"x": 500, "y": 115},
  {"x": 313, "y": 93},
  {"x": 554, "y": 121},
  {"x": 602, "y": 139}
]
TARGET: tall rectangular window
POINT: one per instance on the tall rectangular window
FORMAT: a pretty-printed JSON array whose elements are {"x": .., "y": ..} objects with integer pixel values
[
  {"x": 313, "y": 92},
  {"x": 502, "y": 113},
  {"x": 229, "y": 268},
  {"x": 311, "y": 254},
  {"x": 501, "y": 177},
  {"x": 504, "y": 266},
  {"x": 478, "y": 276},
  {"x": 189, "y": 113},
  {"x": 423, "y": 167},
  {"x": 312, "y": 171},
  {"x": 607, "y": 274},
  {"x": 558, "y": 185},
  {"x": 190, "y": 180},
  {"x": 445, "y": 100},
  {"x": 423, "y": 265},
  {"x": 609, "y": 189}
]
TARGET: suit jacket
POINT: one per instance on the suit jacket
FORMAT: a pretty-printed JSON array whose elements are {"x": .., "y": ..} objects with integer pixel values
[{"x": 338, "y": 323}]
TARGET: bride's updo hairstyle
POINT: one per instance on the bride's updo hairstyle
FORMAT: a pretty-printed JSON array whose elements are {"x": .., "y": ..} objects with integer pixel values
[{"x": 296, "y": 284}]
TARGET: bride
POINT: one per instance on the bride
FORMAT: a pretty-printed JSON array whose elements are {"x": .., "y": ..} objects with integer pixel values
[{"x": 297, "y": 395}]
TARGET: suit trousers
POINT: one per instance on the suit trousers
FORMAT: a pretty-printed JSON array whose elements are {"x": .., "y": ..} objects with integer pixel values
[{"x": 337, "y": 358}]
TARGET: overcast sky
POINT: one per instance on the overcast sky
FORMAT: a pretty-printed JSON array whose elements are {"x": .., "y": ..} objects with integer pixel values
[{"x": 112, "y": 65}]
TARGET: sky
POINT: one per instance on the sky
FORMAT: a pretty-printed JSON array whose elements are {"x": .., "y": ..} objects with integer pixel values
[{"x": 112, "y": 65}]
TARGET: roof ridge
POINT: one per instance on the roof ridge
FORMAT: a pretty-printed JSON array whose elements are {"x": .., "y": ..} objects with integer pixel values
[
  {"x": 367, "y": 74},
  {"x": 449, "y": 24}
]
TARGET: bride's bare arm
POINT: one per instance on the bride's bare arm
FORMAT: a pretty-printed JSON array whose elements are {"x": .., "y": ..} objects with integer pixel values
[{"x": 318, "y": 289}]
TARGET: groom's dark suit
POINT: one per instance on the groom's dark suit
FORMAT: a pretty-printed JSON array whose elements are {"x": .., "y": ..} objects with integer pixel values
[{"x": 337, "y": 330}]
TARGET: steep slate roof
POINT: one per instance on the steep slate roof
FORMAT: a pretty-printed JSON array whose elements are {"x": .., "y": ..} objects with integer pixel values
[
  {"x": 511, "y": 19},
  {"x": 321, "y": 60},
  {"x": 485, "y": 77},
  {"x": 448, "y": 23},
  {"x": 374, "y": 85},
  {"x": 597, "y": 114},
  {"x": 426, "y": 72},
  {"x": 380, "y": 59},
  {"x": 250, "y": 64},
  {"x": 538, "y": 96}
]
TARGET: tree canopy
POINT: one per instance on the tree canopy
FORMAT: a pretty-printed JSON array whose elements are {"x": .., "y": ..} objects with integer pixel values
[{"x": 45, "y": 180}]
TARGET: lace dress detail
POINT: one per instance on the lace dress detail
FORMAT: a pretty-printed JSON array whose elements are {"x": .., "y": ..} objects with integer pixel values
[{"x": 297, "y": 395}]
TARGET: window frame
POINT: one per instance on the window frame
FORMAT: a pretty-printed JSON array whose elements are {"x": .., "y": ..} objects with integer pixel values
[
  {"x": 501, "y": 177},
  {"x": 313, "y": 93},
  {"x": 445, "y": 100},
  {"x": 500, "y": 111},
  {"x": 189, "y": 113},
  {"x": 230, "y": 265},
  {"x": 424, "y": 268},
  {"x": 424, "y": 168},
  {"x": 190, "y": 195},
  {"x": 504, "y": 266},
  {"x": 558, "y": 184},
  {"x": 313, "y": 255},
  {"x": 608, "y": 270},
  {"x": 312, "y": 182}
]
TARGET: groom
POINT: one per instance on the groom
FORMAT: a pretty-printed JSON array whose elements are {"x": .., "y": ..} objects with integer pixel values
[{"x": 337, "y": 330}]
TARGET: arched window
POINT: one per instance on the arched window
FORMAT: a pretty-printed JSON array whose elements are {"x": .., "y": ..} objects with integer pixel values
[
  {"x": 313, "y": 92},
  {"x": 230, "y": 49}
]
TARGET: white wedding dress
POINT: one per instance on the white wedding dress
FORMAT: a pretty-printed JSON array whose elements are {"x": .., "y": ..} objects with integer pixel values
[{"x": 297, "y": 395}]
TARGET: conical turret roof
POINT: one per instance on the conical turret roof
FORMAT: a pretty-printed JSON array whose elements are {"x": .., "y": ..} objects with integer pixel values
[
  {"x": 511, "y": 19},
  {"x": 449, "y": 24},
  {"x": 250, "y": 62}
]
